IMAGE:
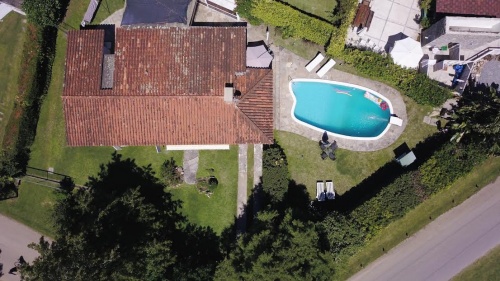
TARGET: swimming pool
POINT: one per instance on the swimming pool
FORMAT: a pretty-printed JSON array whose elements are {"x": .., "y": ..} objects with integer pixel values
[{"x": 344, "y": 110}]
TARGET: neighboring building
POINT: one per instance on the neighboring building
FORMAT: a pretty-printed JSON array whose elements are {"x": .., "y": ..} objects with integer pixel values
[
  {"x": 458, "y": 40},
  {"x": 17, "y": 4},
  {"x": 12, "y": 5},
  {"x": 483, "y": 8},
  {"x": 165, "y": 86}
]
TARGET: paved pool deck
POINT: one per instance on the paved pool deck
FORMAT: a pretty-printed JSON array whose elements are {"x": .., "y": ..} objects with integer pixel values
[{"x": 289, "y": 66}]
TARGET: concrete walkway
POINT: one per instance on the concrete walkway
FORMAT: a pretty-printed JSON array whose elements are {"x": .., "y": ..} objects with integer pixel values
[
  {"x": 190, "y": 165},
  {"x": 257, "y": 177},
  {"x": 445, "y": 246},
  {"x": 14, "y": 240},
  {"x": 242, "y": 188}
]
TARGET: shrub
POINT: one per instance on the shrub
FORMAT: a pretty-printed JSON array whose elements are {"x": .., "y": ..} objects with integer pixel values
[
  {"x": 244, "y": 9},
  {"x": 7, "y": 188},
  {"x": 67, "y": 184},
  {"x": 449, "y": 163},
  {"x": 415, "y": 85},
  {"x": 275, "y": 176},
  {"x": 292, "y": 21},
  {"x": 169, "y": 173}
]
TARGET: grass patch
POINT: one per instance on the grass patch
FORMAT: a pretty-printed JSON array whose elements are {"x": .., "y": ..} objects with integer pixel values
[
  {"x": 107, "y": 8},
  {"x": 320, "y": 8},
  {"x": 219, "y": 210},
  {"x": 299, "y": 47},
  {"x": 250, "y": 169},
  {"x": 350, "y": 168},
  {"x": 33, "y": 207},
  {"x": 12, "y": 30},
  {"x": 485, "y": 268},
  {"x": 417, "y": 218}
]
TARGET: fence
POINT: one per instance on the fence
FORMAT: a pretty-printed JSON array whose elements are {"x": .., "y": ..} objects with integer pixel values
[{"x": 45, "y": 174}]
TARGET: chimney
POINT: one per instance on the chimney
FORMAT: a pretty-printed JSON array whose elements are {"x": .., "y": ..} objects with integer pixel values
[{"x": 228, "y": 93}]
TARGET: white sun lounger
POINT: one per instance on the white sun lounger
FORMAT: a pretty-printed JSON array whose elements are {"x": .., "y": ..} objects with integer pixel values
[
  {"x": 396, "y": 121},
  {"x": 320, "y": 191},
  {"x": 330, "y": 193},
  {"x": 315, "y": 62},
  {"x": 323, "y": 70}
]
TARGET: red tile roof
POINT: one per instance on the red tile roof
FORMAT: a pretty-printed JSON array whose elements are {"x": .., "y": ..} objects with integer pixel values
[
  {"x": 168, "y": 89},
  {"x": 490, "y": 8}
]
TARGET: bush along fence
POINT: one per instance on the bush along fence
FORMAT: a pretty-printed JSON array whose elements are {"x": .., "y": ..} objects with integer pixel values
[
  {"x": 415, "y": 85},
  {"x": 34, "y": 80}
]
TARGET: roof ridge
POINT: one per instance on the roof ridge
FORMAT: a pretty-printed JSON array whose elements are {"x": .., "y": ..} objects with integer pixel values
[
  {"x": 251, "y": 123},
  {"x": 249, "y": 92}
]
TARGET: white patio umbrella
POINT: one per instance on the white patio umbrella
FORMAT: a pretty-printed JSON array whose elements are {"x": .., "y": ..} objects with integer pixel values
[
  {"x": 407, "y": 53},
  {"x": 258, "y": 56}
]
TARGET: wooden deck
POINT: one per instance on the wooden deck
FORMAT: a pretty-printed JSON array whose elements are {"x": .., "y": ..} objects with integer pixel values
[{"x": 364, "y": 16}]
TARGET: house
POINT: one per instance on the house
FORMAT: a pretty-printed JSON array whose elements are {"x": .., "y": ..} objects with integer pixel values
[
  {"x": 175, "y": 86},
  {"x": 481, "y": 8},
  {"x": 458, "y": 41},
  {"x": 10, "y": 5}
]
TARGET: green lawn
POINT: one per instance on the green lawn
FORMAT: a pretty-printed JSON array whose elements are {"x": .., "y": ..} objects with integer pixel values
[
  {"x": 350, "y": 168},
  {"x": 107, "y": 8},
  {"x": 219, "y": 210},
  {"x": 11, "y": 46},
  {"x": 33, "y": 207},
  {"x": 250, "y": 169},
  {"x": 418, "y": 218},
  {"x": 486, "y": 268},
  {"x": 320, "y": 8}
]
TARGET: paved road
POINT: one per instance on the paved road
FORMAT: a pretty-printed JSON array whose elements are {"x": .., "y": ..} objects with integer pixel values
[
  {"x": 14, "y": 240},
  {"x": 447, "y": 245}
]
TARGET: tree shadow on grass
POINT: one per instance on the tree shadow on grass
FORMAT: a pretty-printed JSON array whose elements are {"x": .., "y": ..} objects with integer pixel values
[{"x": 385, "y": 175}]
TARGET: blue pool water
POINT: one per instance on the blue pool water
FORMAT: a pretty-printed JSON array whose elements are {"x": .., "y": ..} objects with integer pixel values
[{"x": 342, "y": 110}]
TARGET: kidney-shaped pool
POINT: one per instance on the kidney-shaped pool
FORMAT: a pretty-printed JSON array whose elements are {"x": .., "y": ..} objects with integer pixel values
[{"x": 345, "y": 110}]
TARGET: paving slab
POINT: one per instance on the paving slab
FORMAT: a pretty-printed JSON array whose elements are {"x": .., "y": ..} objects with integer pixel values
[
  {"x": 410, "y": 22},
  {"x": 398, "y": 14},
  {"x": 381, "y": 9},
  {"x": 392, "y": 29},
  {"x": 376, "y": 28}
]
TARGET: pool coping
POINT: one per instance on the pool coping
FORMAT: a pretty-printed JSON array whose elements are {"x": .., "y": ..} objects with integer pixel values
[
  {"x": 370, "y": 91},
  {"x": 288, "y": 66}
]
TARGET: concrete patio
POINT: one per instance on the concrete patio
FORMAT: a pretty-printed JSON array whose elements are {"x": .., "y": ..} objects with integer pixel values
[{"x": 390, "y": 18}]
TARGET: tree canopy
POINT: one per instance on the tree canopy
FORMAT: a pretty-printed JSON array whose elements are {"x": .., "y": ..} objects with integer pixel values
[
  {"x": 124, "y": 227},
  {"x": 477, "y": 116}
]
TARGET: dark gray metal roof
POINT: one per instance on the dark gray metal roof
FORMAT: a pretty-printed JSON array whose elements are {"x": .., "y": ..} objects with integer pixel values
[{"x": 155, "y": 11}]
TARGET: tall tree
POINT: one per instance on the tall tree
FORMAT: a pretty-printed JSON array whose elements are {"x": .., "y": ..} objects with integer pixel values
[
  {"x": 477, "y": 116},
  {"x": 124, "y": 227},
  {"x": 279, "y": 248}
]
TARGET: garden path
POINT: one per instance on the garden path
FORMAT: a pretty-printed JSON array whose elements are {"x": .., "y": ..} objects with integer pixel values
[
  {"x": 242, "y": 188},
  {"x": 190, "y": 164}
]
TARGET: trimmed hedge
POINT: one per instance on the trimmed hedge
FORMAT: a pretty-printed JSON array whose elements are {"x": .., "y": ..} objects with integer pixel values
[
  {"x": 35, "y": 77},
  {"x": 292, "y": 21},
  {"x": 415, "y": 85}
]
